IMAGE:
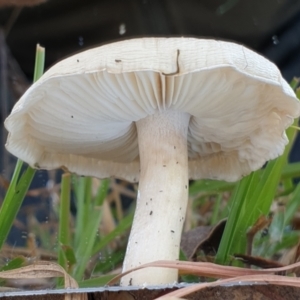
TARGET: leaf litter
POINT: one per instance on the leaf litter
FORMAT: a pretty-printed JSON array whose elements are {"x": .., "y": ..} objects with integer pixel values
[
  {"x": 229, "y": 276},
  {"x": 45, "y": 269}
]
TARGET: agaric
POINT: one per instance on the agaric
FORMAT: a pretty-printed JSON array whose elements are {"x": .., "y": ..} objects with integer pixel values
[{"x": 158, "y": 111}]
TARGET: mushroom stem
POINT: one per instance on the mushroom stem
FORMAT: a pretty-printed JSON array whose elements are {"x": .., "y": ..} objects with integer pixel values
[{"x": 162, "y": 197}]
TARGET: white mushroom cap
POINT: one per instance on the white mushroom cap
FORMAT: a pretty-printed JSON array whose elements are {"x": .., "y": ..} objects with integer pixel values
[{"x": 81, "y": 114}]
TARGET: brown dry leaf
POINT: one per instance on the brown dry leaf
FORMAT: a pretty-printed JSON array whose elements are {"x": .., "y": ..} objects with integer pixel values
[
  {"x": 258, "y": 261},
  {"x": 261, "y": 223},
  {"x": 207, "y": 269},
  {"x": 231, "y": 275},
  {"x": 10, "y": 252},
  {"x": 3, "y": 181},
  {"x": 205, "y": 238},
  {"x": 191, "y": 240},
  {"x": 292, "y": 256},
  {"x": 45, "y": 269}
]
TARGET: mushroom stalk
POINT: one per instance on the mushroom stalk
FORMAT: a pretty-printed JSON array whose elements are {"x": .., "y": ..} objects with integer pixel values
[{"x": 162, "y": 197}]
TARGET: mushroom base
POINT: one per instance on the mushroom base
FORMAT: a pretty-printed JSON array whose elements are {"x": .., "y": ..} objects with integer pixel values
[{"x": 162, "y": 197}]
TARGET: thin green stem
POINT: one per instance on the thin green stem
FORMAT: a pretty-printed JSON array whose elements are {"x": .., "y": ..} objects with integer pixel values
[
  {"x": 124, "y": 224},
  {"x": 64, "y": 218},
  {"x": 295, "y": 127},
  {"x": 84, "y": 250},
  {"x": 80, "y": 189},
  {"x": 39, "y": 63},
  {"x": 216, "y": 209},
  {"x": 13, "y": 200}
]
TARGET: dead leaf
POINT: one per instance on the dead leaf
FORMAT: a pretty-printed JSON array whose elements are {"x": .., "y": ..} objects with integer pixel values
[
  {"x": 45, "y": 269},
  {"x": 261, "y": 223},
  {"x": 258, "y": 261},
  {"x": 205, "y": 238},
  {"x": 208, "y": 269},
  {"x": 9, "y": 252}
]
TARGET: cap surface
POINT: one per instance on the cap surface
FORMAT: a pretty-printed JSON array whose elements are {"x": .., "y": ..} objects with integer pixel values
[{"x": 81, "y": 114}]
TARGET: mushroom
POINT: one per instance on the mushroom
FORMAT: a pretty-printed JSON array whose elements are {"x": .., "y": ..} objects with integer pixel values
[{"x": 158, "y": 111}]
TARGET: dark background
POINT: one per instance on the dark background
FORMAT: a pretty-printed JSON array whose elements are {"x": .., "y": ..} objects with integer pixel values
[
  {"x": 63, "y": 27},
  {"x": 271, "y": 27}
]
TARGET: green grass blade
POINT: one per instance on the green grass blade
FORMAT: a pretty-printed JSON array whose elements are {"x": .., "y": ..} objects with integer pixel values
[
  {"x": 206, "y": 186},
  {"x": 83, "y": 252},
  {"x": 39, "y": 63},
  {"x": 12, "y": 203},
  {"x": 294, "y": 83},
  {"x": 233, "y": 228},
  {"x": 97, "y": 281},
  {"x": 82, "y": 210},
  {"x": 252, "y": 199},
  {"x": 15, "y": 177},
  {"x": 18, "y": 188},
  {"x": 15, "y": 263},
  {"x": 108, "y": 261},
  {"x": 70, "y": 257},
  {"x": 216, "y": 210},
  {"x": 102, "y": 192},
  {"x": 64, "y": 218},
  {"x": 124, "y": 224},
  {"x": 292, "y": 205},
  {"x": 291, "y": 170},
  {"x": 91, "y": 225}
]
